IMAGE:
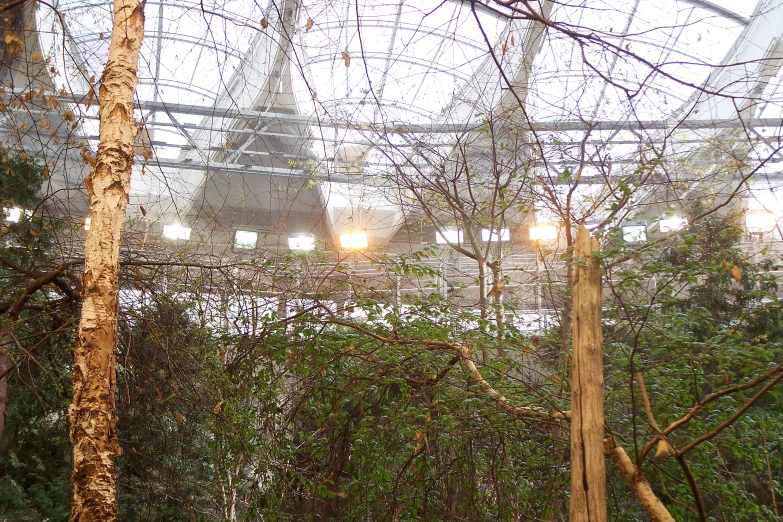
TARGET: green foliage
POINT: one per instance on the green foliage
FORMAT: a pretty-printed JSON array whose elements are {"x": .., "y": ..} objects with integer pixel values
[
  {"x": 34, "y": 450},
  {"x": 696, "y": 315},
  {"x": 20, "y": 179}
]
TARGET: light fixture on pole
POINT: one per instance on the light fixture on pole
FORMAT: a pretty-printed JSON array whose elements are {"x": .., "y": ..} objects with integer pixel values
[
  {"x": 13, "y": 215},
  {"x": 354, "y": 241},
  {"x": 495, "y": 235},
  {"x": 760, "y": 221},
  {"x": 301, "y": 242},
  {"x": 451, "y": 235},
  {"x": 672, "y": 224},
  {"x": 543, "y": 233},
  {"x": 176, "y": 232},
  {"x": 634, "y": 233},
  {"x": 245, "y": 239}
]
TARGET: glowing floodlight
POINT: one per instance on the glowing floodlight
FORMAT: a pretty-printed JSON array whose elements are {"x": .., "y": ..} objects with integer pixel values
[
  {"x": 543, "y": 233},
  {"x": 449, "y": 235},
  {"x": 760, "y": 221},
  {"x": 175, "y": 232},
  {"x": 245, "y": 239},
  {"x": 634, "y": 233},
  {"x": 353, "y": 241},
  {"x": 672, "y": 224},
  {"x": 502, "y": 234},
  {"x": 87, "y": 222},
  {"x": 13, "y": 215},
  {"x": 303, "y": 242}
]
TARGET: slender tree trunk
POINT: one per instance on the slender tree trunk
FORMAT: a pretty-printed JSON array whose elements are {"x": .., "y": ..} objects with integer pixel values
[
  {"x": 588, "y": 468},
  {"x": 6, "y": 338},
  {"x": 91, "y": 414}
]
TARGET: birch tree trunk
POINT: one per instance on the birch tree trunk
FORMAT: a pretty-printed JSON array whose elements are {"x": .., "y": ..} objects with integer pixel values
[
  {"x": 91, "y": 414},
  {"x": 588, "y": 468}
]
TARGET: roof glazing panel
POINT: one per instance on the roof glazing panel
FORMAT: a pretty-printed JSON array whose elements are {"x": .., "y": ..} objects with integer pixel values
[
  {"x": 374, "y": 62},
  {"x": 654, "y": 56}
]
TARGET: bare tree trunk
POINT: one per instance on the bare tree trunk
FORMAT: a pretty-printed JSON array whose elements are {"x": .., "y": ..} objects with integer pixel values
[
  {"x": 567, "y": 315},
  {"x": 91, "y": 414},
  {"x": 6, "y": 338},
  {"x": 497, "y": 301},
  {"x": 588, "y": 468}
]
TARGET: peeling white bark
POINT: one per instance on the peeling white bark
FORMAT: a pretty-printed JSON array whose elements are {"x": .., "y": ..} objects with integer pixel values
[{"x": 91, "y": 414}]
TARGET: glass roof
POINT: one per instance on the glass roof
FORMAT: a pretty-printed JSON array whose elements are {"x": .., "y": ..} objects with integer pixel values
[
  {"x": 190, "y": 50},
  {"x": 402, "y": 63},
  {"x": 372, "y": 62},
  {"x": 653, "y": 56}
]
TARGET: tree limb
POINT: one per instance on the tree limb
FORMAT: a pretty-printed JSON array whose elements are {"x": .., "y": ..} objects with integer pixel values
[{"x": 636, "y": 481}]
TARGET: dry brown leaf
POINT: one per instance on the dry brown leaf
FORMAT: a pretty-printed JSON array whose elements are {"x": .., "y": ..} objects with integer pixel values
[
  {"x": 228, "y": 144},
  {"x": 735, "y": 273},
  {"x": 505, "y": 48},
  {"x": 496, "y": 289},
  {"x": 100, "y": 36},
  {"x": 724, "y": 264},
  {"x": 264, "y": 23},
  {"x": 309, "y": 24},
  {"x": 315, "y": 95},
  {"x": 13, "y": 42},
  {"x": 143, "y": 211},
  {"x": 513, "y": 42},
  {"x": 534, "y": 341},
  {"x": 217, "y": 407},
  {"x": 68, "y": 115},
  {"x": 346, "y": 58},
  {"x": 180, "y": 417},
  {"x": 35, "y": 232}
]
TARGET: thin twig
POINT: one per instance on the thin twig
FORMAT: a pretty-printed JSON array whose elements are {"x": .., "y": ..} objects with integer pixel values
[{"x": 728, "y": 422}]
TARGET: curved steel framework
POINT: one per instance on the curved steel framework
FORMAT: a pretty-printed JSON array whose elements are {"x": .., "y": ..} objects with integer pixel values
[{"x": 286, "y": 91}]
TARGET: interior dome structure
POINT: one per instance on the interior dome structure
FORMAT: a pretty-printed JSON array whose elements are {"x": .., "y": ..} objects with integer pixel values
[
  {"x": 238, "y": 98},
  {"x": 391, "y": 260}
]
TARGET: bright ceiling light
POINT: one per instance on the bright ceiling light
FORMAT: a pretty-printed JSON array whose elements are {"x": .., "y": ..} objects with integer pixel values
[
  {"x": 87, "y": 222},
  {"x": 303, "y": 242},
  {"x": 449, "y": 235},
  {"x": 760, "y": 221},
  {"x": 543, "y": 233},
  {"x": 245, "y": 239},
  {"x": 13, "y": 215},
  {"x": 502, "y": 234},
  {"x": 672, "y": 224},
  {"x": 634, "y": 233},
  {"x": 353, "y": 241},
  {"x": 176, "y": 232}
]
